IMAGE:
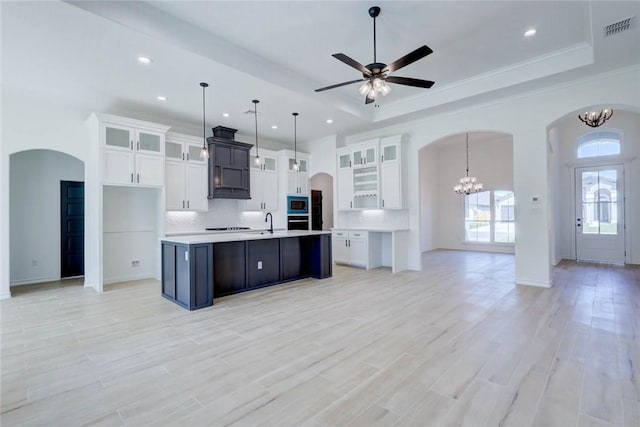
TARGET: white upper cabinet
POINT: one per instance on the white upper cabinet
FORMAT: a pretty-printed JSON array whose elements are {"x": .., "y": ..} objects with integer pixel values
[
  {"x": 132, "y": 151},
  {"x": 370, "y": 175},
  {"x": 392, "y": 185},
  {"x": 264, "y": 182},
  {"x": 186, "y": 174},
  {"x": 297, "y": 181}
]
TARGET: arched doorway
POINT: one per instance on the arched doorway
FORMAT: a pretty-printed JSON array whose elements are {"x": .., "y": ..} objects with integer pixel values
[
  {"x": 593, "y": 174},
  {"x": 46, "y": 189}
]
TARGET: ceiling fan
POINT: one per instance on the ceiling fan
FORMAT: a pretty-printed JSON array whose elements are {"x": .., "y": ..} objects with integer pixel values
[{"x": 376, "y": 75}]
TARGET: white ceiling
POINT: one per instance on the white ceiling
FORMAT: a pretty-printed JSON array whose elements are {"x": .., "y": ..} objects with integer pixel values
[{"x": 84, "y": 54}]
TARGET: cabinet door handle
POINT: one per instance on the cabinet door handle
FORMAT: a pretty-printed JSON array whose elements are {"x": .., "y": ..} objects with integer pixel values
[
  {"x": 138, "y": 146},
  {"x": 345, "y": 243},
  {"x": 138, "y": 177},
  {"x": 351, "y": 204},
  {"x": 132, "y": 144},
  {"x": 349, "y": 163},
  {"x": 383, "y": 203},
  {"x": 183, "y": 204},
  {"x": 131, "y": 176},
  {"x": 382, "y": 158},
  {"x": 182, "y": 156}
]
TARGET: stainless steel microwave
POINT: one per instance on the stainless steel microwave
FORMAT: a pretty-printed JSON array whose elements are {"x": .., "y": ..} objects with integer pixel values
[{"x": 297, "y": 205}]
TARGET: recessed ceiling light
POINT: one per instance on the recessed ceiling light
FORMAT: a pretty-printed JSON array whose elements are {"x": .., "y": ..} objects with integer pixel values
[
  {"x": 274, "y": 127},
  {"x": 531, "y": 32},
  {"x": 225, "y": 114},
  {"x": 144, "y": 60},
  {"x": 329, "y": 121},
  {"x": 162, "y": 98}
]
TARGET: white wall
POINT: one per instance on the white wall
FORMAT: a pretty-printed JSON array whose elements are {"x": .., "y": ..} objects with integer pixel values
[
  {"x": 526, "y": 118},
  {"x": 429, "y": 172},
  {"x": 324, "y": 182},
  {"x": 130, "y": 232},
  {"x": 59, "y": 128},
  {"x": 35, "y": 212},
  {"x": 565, "y": 134},
  {"x": 491, "y": 161}
]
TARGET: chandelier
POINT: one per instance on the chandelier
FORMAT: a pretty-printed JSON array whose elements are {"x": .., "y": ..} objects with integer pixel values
[
  {"x": 595, "y": 118},
  {"x": 468, "y": 184},
  {"x": 373, "y": 87}
]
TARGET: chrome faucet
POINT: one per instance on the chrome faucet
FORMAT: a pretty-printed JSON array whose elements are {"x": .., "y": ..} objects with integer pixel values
[{"x": 266, "y": 218}]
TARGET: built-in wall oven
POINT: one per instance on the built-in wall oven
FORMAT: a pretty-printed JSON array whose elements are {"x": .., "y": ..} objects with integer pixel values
[{"x": 297, "y": 213}]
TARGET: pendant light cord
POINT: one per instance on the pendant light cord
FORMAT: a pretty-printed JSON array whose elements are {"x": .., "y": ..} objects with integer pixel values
[
  {"x": 467, "y": 153},
  {"x": 374, "y": 40},
  {"x": 204, "y": 124},
  {"x": 255, "y": 113},
  {"x": 295, "y": 137}
]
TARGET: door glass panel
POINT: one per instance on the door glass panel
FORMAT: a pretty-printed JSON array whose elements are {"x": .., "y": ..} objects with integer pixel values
[
  {"x": 194, "y": 152},
  {"x": 269, "y": 163},
  {"x": 390, "y": 152},
  {"x": 173, "y": 150},
  {"x": 291, "y": 163},
  {"x": 117, "y": 137},
  {"x": 357, "y": 158},
  {"x": 599, "y": 202},
  {"x": 303, "y": 165},
  {"x": 149, "y": 142},
  {"x": 344, "y": 161},
  {"x": 370, "y": 155}
]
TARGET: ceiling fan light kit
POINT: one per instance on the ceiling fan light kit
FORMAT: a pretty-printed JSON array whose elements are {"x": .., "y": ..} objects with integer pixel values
[{"x": 376, "y": 75}]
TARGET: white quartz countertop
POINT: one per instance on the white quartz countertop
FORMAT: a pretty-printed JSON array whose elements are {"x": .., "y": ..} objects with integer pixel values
[
  {"x": 201, "y": 232},
  {"x": 239, "y": 236},
  {"x": 374, "y": 230}
]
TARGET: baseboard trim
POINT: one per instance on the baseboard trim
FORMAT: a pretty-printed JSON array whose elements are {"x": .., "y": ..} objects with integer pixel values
[
  {"x": 5, "y": 295},
  {"x": 34, "y": 281},
  {"x": 535, "y": 283},
  {"x": 121, "y": 279}
]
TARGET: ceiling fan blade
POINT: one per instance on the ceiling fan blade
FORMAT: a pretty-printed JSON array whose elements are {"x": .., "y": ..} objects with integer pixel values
[
  {"x": 409, "y": 58},
  {"x": 352, "y": 63},
  {"x": 410, "y": 82},
  {"x": 340, "y": 84},
  {"x": 368, "y": 100}
]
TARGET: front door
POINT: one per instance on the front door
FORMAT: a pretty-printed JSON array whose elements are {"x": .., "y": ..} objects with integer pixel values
[
  {"x": 71, "y": 228},
  {"x": 600, "y": 214}
]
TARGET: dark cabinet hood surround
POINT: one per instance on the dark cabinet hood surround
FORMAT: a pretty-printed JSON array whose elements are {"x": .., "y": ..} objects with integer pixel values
[{"x": 228, "y": 165}]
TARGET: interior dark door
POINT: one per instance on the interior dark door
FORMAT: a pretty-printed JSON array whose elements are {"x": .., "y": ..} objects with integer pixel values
[
  {"x": 72, "y": 228},
  {"x": 316, "y": 210}
]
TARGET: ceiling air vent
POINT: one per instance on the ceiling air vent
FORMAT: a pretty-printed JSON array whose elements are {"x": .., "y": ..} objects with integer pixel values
[{"x": 618, "y": 27}]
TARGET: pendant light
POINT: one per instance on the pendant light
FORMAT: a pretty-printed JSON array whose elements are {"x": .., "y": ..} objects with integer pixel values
[
  {"x": 204, "y": 153},
  {"x": 296, "y": 167},
  {"x": 468, "y": 184},
  {"x": 595, "y": 119},
  {"x": 255, "y": 113}
]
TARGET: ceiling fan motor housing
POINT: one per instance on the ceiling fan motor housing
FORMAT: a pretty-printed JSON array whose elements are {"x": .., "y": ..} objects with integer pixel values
[{"x": 376, "y": 69}]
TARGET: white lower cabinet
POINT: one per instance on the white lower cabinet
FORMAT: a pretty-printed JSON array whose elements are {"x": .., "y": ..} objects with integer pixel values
[
  {"x": 186, "y": 187},
  {"x": 351, "y": 248}
]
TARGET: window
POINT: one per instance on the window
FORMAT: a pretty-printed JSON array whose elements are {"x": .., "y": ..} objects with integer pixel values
[
  {"x": 596, "y": 144},
  {"x": 489, "y": 217}
]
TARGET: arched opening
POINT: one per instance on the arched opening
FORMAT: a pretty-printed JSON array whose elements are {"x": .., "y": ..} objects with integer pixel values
[
  {"x": 482, "y": 221},
  {"x": 46, "y": 202},
  {"x": 593, "y": 174},
  {"x": 321, "y": 212}
]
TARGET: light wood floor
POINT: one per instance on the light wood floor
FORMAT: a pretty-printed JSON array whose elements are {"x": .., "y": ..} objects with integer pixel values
[{"x": 457, "y": 344}]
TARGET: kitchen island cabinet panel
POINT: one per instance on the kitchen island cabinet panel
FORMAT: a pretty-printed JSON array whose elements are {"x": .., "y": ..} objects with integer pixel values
[
  {"x": 229, "y": 275},
  {"x": 187, "y": 274},
  {"x": 320, "y": 261},
  {"x": 294, "y": 258},
  {"x": 263, "y": 262}
]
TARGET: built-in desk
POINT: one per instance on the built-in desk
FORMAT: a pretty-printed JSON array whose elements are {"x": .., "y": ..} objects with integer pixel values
[{"x": 371, "y": 247}]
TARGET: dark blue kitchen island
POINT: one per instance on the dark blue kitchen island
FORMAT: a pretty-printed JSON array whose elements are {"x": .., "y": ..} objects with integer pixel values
[{"x": 198, "y": 267}]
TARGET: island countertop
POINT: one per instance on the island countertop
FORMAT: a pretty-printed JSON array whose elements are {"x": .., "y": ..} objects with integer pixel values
[{"x": 240, "y": 236}]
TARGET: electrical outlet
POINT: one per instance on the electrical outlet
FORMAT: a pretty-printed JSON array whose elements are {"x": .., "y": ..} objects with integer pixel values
[
  {"x": 259, "y": 265},
  {"x": 135, "y": 263}
]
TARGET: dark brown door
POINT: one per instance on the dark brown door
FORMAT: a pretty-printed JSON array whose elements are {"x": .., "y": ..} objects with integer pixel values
[
  {"x": 72, "y": 228},
  {"x": 316, "y": 210}
]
